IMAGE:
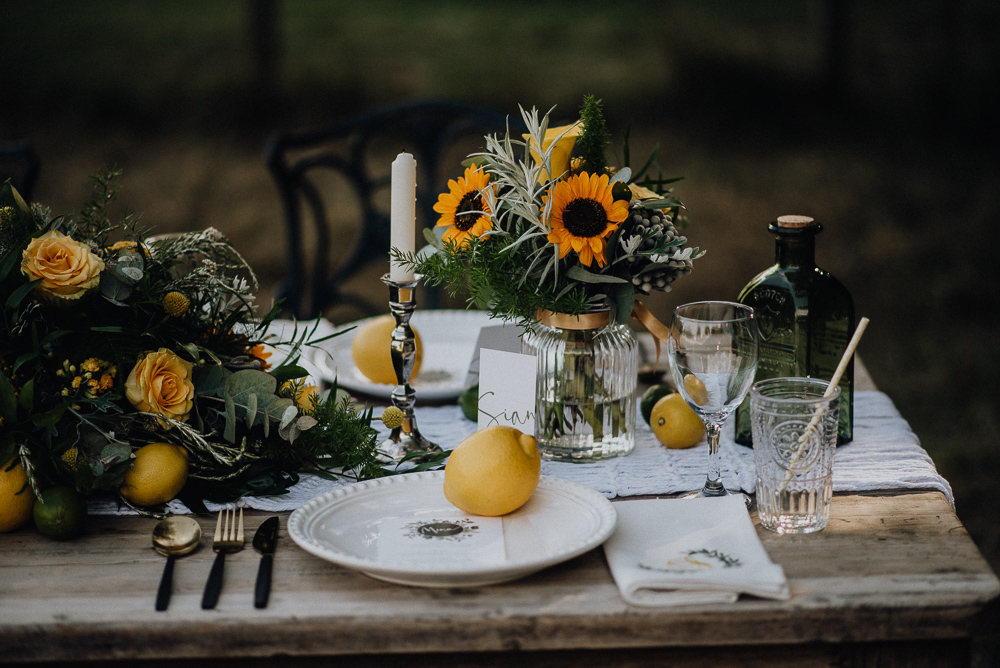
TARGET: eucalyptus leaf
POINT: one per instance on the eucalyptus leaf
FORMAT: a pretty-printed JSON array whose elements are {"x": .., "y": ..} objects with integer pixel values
[
  {"x": 251, "y": 408},
  {"x": 623, "y": 175},
  {"x": 580, "y": 274},
  {"x": 306, "y": 422},
  {"x": 288, "y": 416},
  {"x": 114, "y": 289},
  {"x": 114, "y": 453},
  {"x": 211, "y": 380},
  {"x": 134, "y": 274},
  {"x": 238, "y": 388}
]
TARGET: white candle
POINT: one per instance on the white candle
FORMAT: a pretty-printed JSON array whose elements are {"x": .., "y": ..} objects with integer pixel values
[{"x": 403, "y": 213}]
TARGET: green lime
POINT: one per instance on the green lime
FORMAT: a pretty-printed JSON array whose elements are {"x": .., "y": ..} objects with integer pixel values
[
  {"x": 469, "y": 401},
  {"x": 650, "y": 397},
  {"x": 60, "y": 513}
]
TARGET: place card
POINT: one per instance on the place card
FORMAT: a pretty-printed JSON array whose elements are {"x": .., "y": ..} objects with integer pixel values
[
  {"x": 495, "y": 337},
  {"x": 442, "y": 539},
  {"x": 507, "y": 390}
]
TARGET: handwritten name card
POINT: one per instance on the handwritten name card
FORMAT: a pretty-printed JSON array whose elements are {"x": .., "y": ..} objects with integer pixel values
[{"x": 507, "y": 390}]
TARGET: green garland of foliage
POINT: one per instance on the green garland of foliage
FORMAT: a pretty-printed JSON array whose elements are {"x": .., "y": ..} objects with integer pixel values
[{"x": 64, "y": 412}]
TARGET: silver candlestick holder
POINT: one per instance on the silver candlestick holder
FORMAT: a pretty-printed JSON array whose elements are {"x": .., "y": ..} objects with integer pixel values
[{"x": 405, "y": 439}]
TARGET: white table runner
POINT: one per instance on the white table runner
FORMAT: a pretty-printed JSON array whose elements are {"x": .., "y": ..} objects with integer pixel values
[{"x": 885, "y": 455}]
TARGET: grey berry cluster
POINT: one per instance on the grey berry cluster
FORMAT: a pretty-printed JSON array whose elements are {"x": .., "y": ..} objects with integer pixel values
[{"x": 654, "y": 272}]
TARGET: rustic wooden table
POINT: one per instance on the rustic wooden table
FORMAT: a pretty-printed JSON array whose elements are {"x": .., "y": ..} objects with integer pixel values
[{"x": 894, "y": 580}]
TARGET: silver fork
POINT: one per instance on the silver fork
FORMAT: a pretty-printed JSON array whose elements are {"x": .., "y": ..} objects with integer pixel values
[{"x": 227, "y": 538}]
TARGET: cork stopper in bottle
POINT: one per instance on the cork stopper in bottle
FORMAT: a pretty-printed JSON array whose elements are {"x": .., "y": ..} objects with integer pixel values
[{"x": 794, "y": 221}]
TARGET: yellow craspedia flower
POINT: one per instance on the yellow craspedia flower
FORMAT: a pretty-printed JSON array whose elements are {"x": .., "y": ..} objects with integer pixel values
[
  {"x": 392, "y": 417},
  {"x": 175, "y": 304},
  {"x": 70, "y": 459}
]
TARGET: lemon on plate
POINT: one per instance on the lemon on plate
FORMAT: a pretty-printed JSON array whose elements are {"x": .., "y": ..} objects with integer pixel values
[
  {"x": 675, "y": 424},
  {"x": 16, "y": 497},
  {"x": 157, "y": 474},
  {"x": 493, "y": 471},
  {"x": 371, "y": 353}
]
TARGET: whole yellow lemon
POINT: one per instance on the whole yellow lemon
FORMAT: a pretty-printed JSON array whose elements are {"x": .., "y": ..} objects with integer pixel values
[
  {"x": 493, "y": 471},
  {"x": 371, "y": 352},
  {"x": 157, "y": 474},
  {"x": 17, "y": 500},
  {"x": 675, "y": 424}
]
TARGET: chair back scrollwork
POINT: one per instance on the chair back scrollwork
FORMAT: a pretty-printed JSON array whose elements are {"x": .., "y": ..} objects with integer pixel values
[{"x": 327, "y": 177}]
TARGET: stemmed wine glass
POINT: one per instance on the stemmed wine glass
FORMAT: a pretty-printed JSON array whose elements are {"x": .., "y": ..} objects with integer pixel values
[{"x": 712, "y": 351}]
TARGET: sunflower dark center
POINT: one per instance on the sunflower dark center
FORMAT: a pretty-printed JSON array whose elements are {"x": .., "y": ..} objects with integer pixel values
[
  {"x": 584, "y": 217},
  {"x": 468, "y": 211}
]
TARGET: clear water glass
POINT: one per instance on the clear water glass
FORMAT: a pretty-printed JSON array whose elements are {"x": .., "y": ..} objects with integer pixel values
[{"x": 794, "y": 440}]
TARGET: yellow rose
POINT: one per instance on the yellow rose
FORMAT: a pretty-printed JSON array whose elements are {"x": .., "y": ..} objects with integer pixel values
[
  {"x": 560, "y": 153},
  {"x": 161, "y": 383},
  {"x": 68, "y": 268}
]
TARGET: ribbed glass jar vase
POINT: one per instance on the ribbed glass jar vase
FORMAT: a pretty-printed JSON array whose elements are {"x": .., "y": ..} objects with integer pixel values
[{"x": 585, "y": 388}]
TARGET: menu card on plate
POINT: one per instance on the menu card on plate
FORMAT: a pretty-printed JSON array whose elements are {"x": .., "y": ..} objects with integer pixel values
[{"x": 448, "y": 537}]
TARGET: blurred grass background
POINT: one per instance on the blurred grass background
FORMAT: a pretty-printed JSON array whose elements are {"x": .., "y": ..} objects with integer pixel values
[{"x": 877, "y": 118}]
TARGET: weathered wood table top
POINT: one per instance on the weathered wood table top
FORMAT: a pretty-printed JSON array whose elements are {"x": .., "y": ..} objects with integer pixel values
[
  {"x": 896, "y": 573},
  {"x": 894, "y": 579}
]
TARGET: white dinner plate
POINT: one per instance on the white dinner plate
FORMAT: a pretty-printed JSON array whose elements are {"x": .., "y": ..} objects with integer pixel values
[
  {"x": 562, "y": 520},
  {"x": 449, "y": 342}
]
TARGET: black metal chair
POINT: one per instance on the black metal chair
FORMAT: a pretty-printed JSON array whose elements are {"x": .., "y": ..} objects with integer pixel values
[
  {"x": 347, "y": 165},
  {"x": 20, "y": 164}
]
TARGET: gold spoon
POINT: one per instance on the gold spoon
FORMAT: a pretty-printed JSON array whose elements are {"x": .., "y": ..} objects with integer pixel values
[{"x": 172, "y": 537}]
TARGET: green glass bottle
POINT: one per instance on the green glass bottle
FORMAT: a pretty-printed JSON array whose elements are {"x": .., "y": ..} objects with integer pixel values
[{"x": 805, "y": 317}]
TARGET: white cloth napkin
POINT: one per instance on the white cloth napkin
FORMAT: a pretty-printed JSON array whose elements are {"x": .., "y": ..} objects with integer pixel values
[{"x": 690, "y": 552}]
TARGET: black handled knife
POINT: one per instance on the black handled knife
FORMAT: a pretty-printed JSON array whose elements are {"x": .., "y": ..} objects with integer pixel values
[{"x": 264, "y": 542}]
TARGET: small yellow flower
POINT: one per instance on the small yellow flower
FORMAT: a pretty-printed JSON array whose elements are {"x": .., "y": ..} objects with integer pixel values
[
  {"x": 175, "y": 304},
  {"x": 106, "y": 383},
  {"x": 70, "y": 459},
  {"x": 128, "y": 245},
  {"x": 392, "y": 417},
  {"x": 92, "y": 364}
]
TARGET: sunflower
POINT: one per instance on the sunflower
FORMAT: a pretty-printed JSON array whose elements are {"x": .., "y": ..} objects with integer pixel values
[
  {"x": 584, "y": 214},
  {"x": 463, "y": 209}
]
